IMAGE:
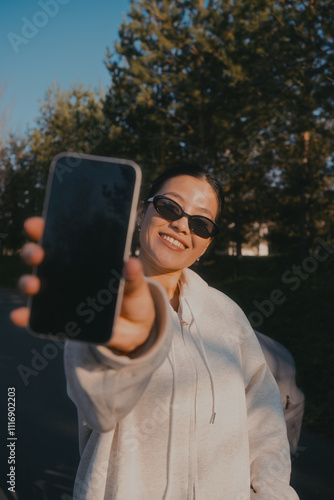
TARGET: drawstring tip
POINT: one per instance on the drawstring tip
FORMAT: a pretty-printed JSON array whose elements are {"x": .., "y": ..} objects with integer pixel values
[{"x": 212, "y": 419}]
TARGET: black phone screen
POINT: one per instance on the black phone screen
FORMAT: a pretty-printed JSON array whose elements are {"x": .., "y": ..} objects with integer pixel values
[{"x": 90, "y": 204}]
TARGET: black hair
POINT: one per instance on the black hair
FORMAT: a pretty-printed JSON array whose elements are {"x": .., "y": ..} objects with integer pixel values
[{"x": 193, "y": 170}]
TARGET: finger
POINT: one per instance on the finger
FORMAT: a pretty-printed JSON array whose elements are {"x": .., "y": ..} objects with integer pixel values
[
  {"x": 134, "y": 277},
  {"x": 34, "y": 227},
  {"x": 32, "y": 254},
  {"x": 20, "y": 316},
  {"x": 29, "y": 284}
]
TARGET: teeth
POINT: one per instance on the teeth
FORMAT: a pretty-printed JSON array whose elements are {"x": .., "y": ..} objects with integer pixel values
[{"x": 172, "y": 241}]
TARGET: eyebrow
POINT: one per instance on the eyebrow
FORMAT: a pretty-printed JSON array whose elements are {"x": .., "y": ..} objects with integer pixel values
[{"x": 200, "y": 209}]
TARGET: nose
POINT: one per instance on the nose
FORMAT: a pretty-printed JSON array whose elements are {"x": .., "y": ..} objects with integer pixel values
[{"x": 181, "y": 225}]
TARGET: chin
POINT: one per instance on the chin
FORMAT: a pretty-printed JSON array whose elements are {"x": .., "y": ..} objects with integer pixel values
[{"x": 172, "y": 264}]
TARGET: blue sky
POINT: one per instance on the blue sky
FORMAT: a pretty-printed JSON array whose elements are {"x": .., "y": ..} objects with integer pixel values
[{"x": 64, "y": 42}]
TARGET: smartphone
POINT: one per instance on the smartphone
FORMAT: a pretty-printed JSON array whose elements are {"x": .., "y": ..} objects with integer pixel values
[{"x": 89, "y": 212}]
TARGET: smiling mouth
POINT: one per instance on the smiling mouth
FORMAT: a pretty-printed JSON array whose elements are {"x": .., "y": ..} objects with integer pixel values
[{"x": 173, "y": 241}]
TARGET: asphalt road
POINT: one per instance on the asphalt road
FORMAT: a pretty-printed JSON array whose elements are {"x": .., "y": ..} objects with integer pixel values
[
  {"x": 46, "y": 420},
  {"x": 46, "y": 448},
  {"x": 313, "y": 468}
]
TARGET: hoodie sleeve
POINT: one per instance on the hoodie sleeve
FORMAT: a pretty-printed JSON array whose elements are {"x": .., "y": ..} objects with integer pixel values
[
  {"x": 270, "y": 465},
  {"x": 105, "y": 386}
]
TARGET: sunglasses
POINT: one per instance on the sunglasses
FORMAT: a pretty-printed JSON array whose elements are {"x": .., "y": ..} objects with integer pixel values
[{"x": 170, "y": 210}]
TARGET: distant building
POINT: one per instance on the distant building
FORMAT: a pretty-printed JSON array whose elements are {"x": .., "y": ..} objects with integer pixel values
[{"x": 257, "y": 245}]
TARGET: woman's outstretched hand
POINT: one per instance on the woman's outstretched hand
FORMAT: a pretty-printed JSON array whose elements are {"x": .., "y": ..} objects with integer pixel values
[
  {"x": 137, "y": 315},
  {"x": 32, "y": 254}
]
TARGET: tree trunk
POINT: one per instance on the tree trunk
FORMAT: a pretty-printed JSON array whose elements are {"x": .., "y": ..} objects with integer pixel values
[{"x": 304, "y": 244}]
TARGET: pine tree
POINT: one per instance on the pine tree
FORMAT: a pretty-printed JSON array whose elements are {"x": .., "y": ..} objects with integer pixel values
[
  {"x": 297, "y": 46},
  {"x": 178, "y": 93},
  {"x": 68, "y": 121},
  {"x": 241, "y": 88}
]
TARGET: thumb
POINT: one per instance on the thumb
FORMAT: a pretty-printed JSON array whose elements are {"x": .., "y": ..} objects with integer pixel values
[{"x": 134, "y": 277}]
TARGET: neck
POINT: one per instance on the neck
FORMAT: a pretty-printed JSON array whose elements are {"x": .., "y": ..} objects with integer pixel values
[{"x": 166, "y": 277}]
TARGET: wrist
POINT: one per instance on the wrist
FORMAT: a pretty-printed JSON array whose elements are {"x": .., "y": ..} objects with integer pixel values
[{"x": 120, "y": 351}]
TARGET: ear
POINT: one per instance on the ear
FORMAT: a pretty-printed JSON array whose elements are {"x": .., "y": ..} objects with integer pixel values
[{"x": 140, "y": 213}]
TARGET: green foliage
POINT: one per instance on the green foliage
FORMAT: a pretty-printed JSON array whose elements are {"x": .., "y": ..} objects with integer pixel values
[
  {"x": 20, "y": 196},
  {"x": 68, "y": 121},
  {"x": 241, "y": 88},
  {"x": 304, "y": 323}
]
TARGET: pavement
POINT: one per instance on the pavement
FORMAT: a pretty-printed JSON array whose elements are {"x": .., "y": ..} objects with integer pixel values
[
  {"x": 313, "y": 468},
  {"x": 46, "y": 448},
  {"x": 46, "y": 420}
]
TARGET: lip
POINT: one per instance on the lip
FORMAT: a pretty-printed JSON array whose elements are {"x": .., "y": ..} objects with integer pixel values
[{"x": 175, "y": 238}]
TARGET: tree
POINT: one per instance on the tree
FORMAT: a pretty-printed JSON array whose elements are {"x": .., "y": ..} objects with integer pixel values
[
  {"x": 232, "y": 86},
  {"x": 68, "y": 121},
  {"x": 19, "y": 195},
  {"x": 179, "y": 92}
]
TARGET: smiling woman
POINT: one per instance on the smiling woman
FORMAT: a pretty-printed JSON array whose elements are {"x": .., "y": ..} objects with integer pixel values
[
  {"x": 181, "y": 403},
  {"x": 203, "y": 367},
  {"x": 170, "y": 241}
]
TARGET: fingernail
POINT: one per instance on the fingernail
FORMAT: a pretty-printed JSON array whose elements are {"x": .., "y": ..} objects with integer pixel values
[
  {"x": 28, "y": 247},
  {"x": 29, "y": 250},
  {"x": 24, "y": 280}
]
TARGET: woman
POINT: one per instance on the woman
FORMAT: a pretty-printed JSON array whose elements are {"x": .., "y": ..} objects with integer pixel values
[{"x": 180, "y": 404}]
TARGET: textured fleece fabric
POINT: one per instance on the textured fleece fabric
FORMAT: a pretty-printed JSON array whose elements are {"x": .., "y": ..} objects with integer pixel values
[{"x": 197, "y": 416}]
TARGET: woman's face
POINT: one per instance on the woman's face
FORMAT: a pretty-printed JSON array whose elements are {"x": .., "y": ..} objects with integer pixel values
[{"x": 170, "y": 245}]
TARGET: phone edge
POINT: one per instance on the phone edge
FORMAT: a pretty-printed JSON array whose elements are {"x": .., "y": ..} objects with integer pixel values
[{"x": 129, "y": 236}]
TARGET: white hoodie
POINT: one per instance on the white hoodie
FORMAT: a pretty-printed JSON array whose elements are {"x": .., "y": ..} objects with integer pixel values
[{"x": 197, "y": 416}]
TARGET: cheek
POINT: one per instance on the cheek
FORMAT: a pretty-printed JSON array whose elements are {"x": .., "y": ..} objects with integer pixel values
[
  {"x": 152, "y": 222},
  {"x": 201, "y": 249},
  {"x": 148, "y": 229}
]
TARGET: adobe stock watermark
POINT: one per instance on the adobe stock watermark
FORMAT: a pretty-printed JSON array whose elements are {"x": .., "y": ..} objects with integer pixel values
[
  {"x": 87, "y": 310},
  {"x": 31, "y": 27},
  {"x": 133, "y": 439},
  {"x": 293, "y": 277}
]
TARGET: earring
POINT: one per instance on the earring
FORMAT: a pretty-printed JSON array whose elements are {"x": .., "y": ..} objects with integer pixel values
[
  {"x": 138, "y": 228},
  {"x": 199, "y": 258}
]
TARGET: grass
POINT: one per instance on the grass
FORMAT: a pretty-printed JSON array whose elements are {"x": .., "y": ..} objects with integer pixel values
[{"x": 304, "y": 323}]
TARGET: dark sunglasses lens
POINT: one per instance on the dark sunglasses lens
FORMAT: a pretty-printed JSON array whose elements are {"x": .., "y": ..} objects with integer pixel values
[
  {"x": 202, "y": 227},
  {"x": 168, "y": 209}
]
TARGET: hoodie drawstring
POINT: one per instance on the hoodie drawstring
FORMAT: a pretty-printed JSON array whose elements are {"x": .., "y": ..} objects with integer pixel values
[
  {"x": 206, "y": 362},
  {"x": 171, "y": 358},
  {"x": 172, "y": 424}
]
